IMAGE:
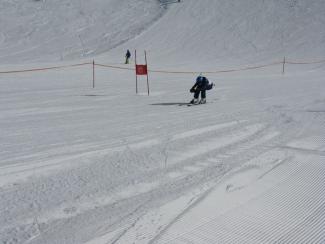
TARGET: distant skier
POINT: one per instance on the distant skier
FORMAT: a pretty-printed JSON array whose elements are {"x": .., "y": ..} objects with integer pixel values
[
  {"x": 127, "y": 56},
  {"x": 201, "y": 85}
]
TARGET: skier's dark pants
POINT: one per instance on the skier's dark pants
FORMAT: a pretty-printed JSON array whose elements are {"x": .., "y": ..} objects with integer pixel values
[{"x": 197, "y": 93}]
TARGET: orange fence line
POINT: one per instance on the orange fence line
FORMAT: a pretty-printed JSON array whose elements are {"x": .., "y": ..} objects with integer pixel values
[
  {"x": 218, "y": 71},
  {"x": 161, "y": 71},
  {"x": 310, "y": 62},
  {"x": 113, "y": 67},
  {"x": 42, "y": 69},
  {"x": 192, "y": 72}
]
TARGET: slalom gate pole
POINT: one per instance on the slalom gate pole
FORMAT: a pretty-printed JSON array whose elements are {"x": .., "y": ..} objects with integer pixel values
[
  {"x": 136, "y": 76},
  {"x": 283, "y": 67},
  {"x": 145, "y": 57}
]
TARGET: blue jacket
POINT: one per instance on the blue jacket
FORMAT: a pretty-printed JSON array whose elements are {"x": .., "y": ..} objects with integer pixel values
[{"x": 201, "y": 84}]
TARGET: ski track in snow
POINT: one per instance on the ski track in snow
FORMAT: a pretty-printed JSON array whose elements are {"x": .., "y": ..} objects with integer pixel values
[
  {"x": 247, "y": 224},
  {"x": 171, "y": 170},
  {"x": 175, "y": 164}
]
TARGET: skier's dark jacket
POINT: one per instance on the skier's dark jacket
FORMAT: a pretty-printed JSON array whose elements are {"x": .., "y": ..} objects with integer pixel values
[
  {"x": 128, "y": 54},
  {"x": 201, "y": 84}
]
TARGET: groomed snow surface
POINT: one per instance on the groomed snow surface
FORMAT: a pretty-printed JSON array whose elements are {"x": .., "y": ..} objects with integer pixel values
[{"x": 104, "y": 165}]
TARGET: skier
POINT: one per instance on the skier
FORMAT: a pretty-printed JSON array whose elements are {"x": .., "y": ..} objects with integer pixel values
[
  {"x": 201, "y": 85},
  {"x": 127, "y": 56}
]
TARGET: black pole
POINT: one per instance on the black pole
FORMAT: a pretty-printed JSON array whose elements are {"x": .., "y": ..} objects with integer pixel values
[
  {"x": 136, "y": 76},
  {"x": 145, "y": 56},
  {"x": 93, "y": 73}
]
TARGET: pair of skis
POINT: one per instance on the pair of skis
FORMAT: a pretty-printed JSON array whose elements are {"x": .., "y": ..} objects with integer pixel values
[{"x": 194, "y": 104}]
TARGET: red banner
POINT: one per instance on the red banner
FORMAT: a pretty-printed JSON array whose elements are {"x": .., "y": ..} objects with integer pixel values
[{"x": 141, "y": 69}]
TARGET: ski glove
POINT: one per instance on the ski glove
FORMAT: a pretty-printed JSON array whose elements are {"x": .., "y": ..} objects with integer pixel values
[{"x": 193, "y": 89}]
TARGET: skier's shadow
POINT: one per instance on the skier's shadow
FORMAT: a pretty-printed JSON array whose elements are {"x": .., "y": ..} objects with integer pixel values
[{"x": 169, "y": 104}]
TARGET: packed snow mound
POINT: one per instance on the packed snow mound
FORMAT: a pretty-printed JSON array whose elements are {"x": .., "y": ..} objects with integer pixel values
[{"x": 64, "y": 29}]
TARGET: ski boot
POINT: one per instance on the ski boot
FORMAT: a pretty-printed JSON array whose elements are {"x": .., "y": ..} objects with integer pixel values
[
  {"x": 194, "y": 101},
  {"x": 203, "y": 101}
]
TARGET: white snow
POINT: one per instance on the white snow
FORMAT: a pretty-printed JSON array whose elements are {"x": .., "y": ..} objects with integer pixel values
[{"x": 104, "y": 165}]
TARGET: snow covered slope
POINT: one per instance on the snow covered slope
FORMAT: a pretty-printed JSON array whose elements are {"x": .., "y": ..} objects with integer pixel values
[
  {"x": 65, "y": 29},
  {"x": 45, "y": 30},
  {"x": 229, "y": 32},
  {"x": 103, "y": 165}
]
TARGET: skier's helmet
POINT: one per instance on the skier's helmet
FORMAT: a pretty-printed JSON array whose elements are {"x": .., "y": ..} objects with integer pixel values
[{"x": 199, "y": 78}]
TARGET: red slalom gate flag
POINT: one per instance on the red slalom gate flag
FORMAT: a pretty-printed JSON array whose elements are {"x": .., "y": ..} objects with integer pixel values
[{"x": 141, "y": 69}]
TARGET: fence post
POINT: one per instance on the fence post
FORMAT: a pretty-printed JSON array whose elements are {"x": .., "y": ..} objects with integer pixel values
[
  {"x": 283, "y": 67},
  {"x": 93, "y": 73}
]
